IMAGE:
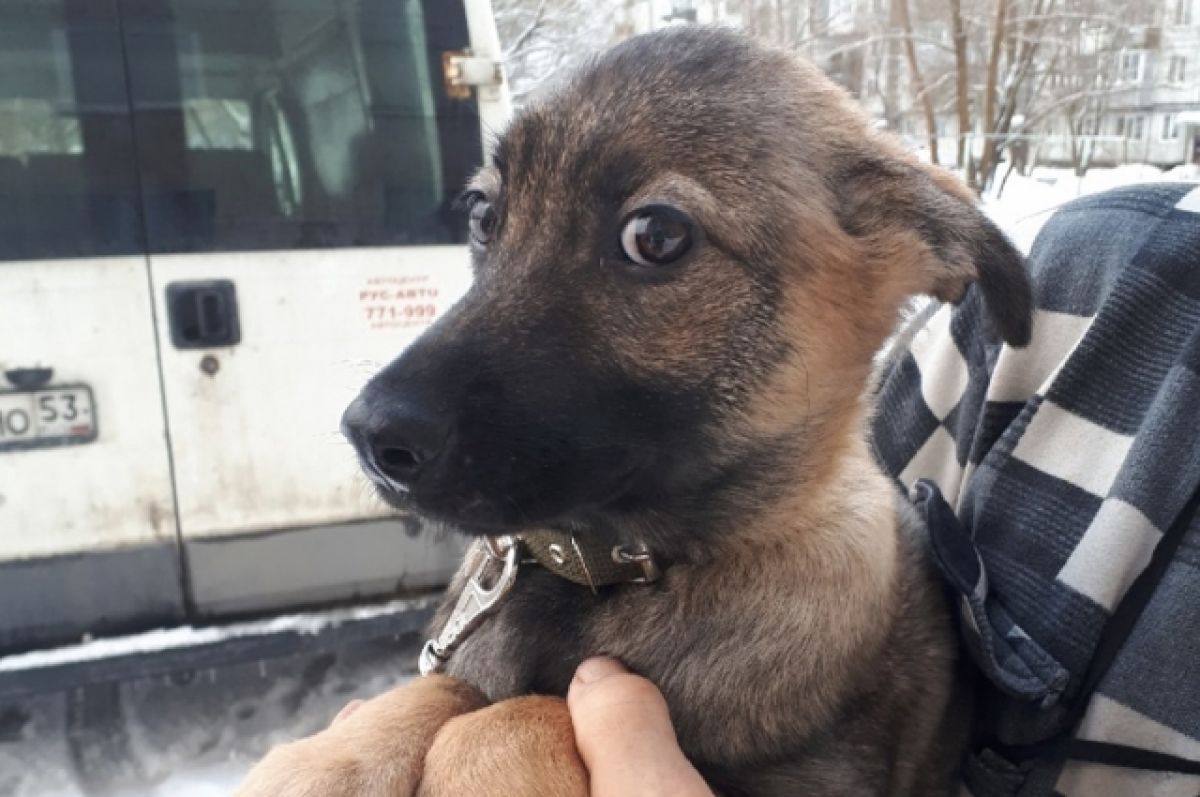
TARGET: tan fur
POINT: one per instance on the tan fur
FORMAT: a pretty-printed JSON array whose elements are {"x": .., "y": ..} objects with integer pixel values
[
  {"x": 522, "y": 747},
  {"x": 376, "y": 751}
]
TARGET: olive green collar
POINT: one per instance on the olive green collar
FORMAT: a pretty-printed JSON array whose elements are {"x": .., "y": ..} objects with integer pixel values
[{"x": 588, "y": 564}]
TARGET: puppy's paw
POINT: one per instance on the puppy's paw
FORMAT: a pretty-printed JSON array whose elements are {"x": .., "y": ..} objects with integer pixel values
[
  {"x": 314, "y": 767},
  {"x": 524, "y": 747},
  {"x": 376, "y": 750}
]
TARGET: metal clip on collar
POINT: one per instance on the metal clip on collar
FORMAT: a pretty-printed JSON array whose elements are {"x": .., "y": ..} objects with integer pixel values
[
  {"x": 640, "y": 556},
  {"x": 475, "y": 603}
]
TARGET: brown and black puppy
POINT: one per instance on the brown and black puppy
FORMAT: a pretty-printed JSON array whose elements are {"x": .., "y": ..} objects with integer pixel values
[{"x": 685, "y": 261}]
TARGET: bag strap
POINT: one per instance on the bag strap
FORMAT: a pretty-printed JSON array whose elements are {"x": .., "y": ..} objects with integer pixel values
[{"x": 1119, "y": 755}]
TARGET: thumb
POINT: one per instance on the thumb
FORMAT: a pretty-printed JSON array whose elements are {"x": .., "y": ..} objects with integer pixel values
[{"x": 624, "y": 735}]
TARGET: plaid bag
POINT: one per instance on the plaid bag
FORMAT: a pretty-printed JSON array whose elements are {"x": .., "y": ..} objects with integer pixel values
[{"x": 1060, "y": 483}]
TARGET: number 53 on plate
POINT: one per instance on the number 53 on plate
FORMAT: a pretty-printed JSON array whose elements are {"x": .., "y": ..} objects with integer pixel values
[{"x": 53, "y": 416}]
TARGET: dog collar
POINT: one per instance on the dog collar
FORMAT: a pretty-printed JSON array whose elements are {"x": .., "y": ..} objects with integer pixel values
[
  {"x": 581, "y": 562},
  {"x": 586, "y": 562}
]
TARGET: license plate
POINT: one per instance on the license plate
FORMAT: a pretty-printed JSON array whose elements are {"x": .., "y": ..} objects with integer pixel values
[{"x": 53, "y": 416}]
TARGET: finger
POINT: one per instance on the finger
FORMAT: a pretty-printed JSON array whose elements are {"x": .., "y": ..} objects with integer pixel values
[
  {"x": 347, "y": 710},
  {"x": 625, "y": 737}
]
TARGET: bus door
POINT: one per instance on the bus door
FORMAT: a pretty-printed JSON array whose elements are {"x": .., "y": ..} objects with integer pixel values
[
  {"x": 87, "y": 520},
  {"x": 299, "y": 161}
]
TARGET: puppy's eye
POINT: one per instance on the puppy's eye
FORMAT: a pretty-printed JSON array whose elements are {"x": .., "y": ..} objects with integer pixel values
[
  {"x": 656, "y": 235},
  {"x": 483, "y": 220}
]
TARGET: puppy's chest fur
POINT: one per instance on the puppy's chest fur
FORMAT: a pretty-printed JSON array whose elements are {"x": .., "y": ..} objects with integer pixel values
[{"x": 771, "y": 695}]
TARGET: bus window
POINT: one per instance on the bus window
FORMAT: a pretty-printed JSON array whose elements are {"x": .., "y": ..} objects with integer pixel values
[
  {"x": 280, "y": 124},
  {"x": 67, "y": 181}
]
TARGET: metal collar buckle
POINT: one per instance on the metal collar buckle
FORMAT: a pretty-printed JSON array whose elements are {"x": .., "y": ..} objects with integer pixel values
[
  {"x": 475, "y": 603},
  {"x": 640, "y": 555}
]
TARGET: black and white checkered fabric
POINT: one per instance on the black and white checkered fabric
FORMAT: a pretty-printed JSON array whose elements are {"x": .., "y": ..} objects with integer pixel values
[{"x": 1065, "y": 463}]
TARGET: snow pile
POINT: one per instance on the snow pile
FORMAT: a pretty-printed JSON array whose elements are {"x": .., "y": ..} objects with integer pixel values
[
  {"x": 192, "y": 735},
  {"x": 1027, "y": 202},
  {"x": 215, "y": 781},
  {"x": 188, "y": 636}
]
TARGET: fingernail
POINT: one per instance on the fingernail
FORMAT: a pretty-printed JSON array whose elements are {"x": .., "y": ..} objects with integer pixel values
[
  {"x": 599, "y": 667},
  {"x": 347, "y": 710}
]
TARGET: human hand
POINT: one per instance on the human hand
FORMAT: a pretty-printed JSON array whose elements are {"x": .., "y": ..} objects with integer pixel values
[
  {"x": 373, "y": 748},
  {"x": 624, "y": 734}
]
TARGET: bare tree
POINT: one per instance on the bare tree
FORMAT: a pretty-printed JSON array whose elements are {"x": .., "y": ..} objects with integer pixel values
[
  {"x": 961, "y": 78},
  {"x": 990, "y": 96},
  {"x": 543, "y": 38},
  {"x": 1011, "y": 71},
  {"x": 920, "y": 90}
]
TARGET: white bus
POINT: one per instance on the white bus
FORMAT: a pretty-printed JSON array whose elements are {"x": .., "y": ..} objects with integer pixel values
[{"x": 217, "y": 217}]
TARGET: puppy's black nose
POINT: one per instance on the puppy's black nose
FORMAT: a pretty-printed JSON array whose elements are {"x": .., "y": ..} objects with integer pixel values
[{"x": 397, "y": 439}]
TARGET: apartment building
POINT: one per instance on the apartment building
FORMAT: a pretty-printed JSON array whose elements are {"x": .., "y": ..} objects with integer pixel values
[{"x": 1155, "y": 107}]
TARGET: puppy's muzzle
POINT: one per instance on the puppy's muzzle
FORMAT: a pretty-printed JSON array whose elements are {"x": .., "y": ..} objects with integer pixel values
[{"x": 396, "y": 441}]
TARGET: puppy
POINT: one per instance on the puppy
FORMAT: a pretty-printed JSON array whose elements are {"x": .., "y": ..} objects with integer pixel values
[{"x": 651, "y": 408}]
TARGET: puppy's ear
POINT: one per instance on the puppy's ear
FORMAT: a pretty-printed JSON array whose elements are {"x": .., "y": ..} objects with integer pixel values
[{"x": 924, "y": 220}]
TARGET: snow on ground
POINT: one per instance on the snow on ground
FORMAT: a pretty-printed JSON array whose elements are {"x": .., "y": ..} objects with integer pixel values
[
  {"x": 196, "y": 735},
  {"x": 186, "y": 636},
  {"x": 192, "y": 735},
  {"x": 1026, "y": 202}
]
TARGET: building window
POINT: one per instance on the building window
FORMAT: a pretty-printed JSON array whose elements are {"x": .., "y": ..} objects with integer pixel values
[
  {"x": 1131, "y": 126},
  {"x": 1170, "y": 130},
  {"x": 1131, "y": 67},
  {"x": 840, "y": 11},
  {"x": 1177, "y": 69},
  {"x": 684, "y": 10},
  {"x": 1183, "y": 12}
]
